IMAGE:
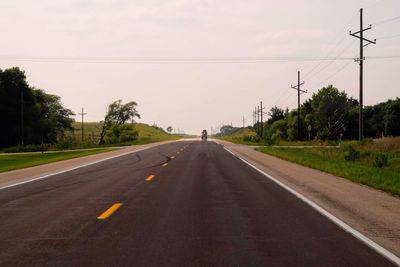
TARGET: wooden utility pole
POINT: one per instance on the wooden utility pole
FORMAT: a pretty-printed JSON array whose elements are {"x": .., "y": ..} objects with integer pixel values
[
  {"x": 360, "y": 36},
  {"x": 83, "y": 114},
  {"x": 261, "y": 114},
  {"x": 299, "y": 92}
]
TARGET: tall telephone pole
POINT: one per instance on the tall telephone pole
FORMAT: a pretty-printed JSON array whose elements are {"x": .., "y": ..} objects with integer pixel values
[
  {"x": 83, "y": 114},
  {"x": 254, "y": 117},
  {"x": 258, "y": 120},
  {"x": 243, "y": 121},
  {"x": 299, "y": 92},
  {"x": 261, "y": 115},
  {"x": 22, "y": 118},
  {"x": 359, "y": 34}
]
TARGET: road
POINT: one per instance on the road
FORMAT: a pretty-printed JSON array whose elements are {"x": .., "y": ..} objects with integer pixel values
[{"x": 178, "y": 204}]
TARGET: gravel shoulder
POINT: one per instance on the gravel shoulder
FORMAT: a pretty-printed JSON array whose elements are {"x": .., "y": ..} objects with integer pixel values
[{"x": 372, "y": 212}]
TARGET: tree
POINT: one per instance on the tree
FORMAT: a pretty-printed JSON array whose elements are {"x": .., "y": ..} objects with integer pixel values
[
  {"x": 227, "y": 129},
  {"x": 118, "y": 113},
  {"x": 277, "y": 114},
  {"x": 53, "y": 117},
  {"x": 29, "y": 115},
  {"x": 330, "y": 108}
]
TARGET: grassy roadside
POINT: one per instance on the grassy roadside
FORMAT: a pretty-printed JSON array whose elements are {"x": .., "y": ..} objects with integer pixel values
[
  {"x": 242, "y": 136},
  {"x": 362, "y": 170},
  {"x": 74, "y": 148},
  {"x": 19, "y": 161}
]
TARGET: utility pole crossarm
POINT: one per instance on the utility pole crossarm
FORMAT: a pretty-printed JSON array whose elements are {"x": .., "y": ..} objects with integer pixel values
[{"x": 296, "y": 88}]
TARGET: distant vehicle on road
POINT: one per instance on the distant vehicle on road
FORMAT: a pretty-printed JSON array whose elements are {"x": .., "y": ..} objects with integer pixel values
[{"x": 204, "y": 135}]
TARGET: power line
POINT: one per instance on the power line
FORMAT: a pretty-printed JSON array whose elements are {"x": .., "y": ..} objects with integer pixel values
[
  {"x": 332, "y": 75},
  {"x": 374, "y": 4},
  {"x": 335, "y": 58},
  {"x": 386, "y": 21},
  {"x": 388, "y": 37},
  {"x": 97, "y": 59},
  {"x": 350, "y": 20}
]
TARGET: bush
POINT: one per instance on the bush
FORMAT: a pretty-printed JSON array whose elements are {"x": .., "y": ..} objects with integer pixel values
[
  {"x": 381, "y": 160},
  {"x": 351, "y": 154},
  {"x": 28, "y": 148},
  {"x": 251, "y": 138},
  {"x": 122, "y": 133}
]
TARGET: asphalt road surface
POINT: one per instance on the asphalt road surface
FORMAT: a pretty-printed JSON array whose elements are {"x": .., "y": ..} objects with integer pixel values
[{"x": 178, "y": 204}]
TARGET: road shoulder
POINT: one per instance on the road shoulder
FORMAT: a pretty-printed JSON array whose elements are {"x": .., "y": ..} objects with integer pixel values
[
  {"x": 373, "y": 213},
  {"x": 32, "y": 173}
]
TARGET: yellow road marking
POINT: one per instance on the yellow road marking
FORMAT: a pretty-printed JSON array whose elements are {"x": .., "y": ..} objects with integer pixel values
[
  {"x": 150, "y": 177},
  {"x": 178, "y": 152},
  {"x": 172, "y": 157},
  {"x": 110, "y": 211},
  {"x": 165, "y": 164}
]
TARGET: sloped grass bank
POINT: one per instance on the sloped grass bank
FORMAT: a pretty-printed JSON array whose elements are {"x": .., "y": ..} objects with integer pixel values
[{"x": 362, "y": 170}]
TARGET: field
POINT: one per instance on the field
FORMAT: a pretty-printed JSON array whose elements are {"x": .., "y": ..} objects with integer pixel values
[
  {"x": 9, "y": 162},
  {"x": 373, "y": 163},
  {"x": 147, "y": 134},
  {"x": 244, "y": 136},
  {"x": 73, "y": 140}
]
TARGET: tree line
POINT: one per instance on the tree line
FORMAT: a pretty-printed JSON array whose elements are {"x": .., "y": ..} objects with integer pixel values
[
  {"x": 330, "y": 115},
  {"x": 30, "y": 116}
]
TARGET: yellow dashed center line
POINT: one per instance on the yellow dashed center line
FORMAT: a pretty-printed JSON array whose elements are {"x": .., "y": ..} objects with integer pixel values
[
  {"x": 178, "y": 152},
  {"x": 110, "y": 211},
  {"x": 150, "y": 177},
  {"x": 172, "y": 157},
  {"x": 165, "y": 164}
]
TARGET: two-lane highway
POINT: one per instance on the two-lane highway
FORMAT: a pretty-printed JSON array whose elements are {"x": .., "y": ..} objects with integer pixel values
[{"x": 179, "y": 204}]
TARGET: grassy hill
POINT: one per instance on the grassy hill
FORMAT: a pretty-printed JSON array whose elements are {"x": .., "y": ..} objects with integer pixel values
[
  {"x": 241, "y": 136},
  {"x": 147, "y": 134}
]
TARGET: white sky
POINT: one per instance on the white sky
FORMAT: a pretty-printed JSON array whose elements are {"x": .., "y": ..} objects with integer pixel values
[{"x": 197, "y": 96}]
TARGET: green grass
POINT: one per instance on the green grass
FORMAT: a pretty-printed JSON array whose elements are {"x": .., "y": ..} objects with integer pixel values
[
  {"x": 243, "y": 136},
  {"x": 19, "y": 161},
  {"x": 147, "y": 134},
  {"x": 362, "y": 171}
]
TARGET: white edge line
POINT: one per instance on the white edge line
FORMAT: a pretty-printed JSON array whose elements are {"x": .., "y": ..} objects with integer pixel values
[
  {"x": 389, "y": 255},
  {"x": 73, "y": 168}
]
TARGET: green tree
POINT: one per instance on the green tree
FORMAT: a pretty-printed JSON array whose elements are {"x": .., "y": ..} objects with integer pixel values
[
  {"x": 118, "y": 114},
  {"x": 330, "y": 108},
  {"x": 28, "y": 115},
  {"x": 276, "y": 113}
]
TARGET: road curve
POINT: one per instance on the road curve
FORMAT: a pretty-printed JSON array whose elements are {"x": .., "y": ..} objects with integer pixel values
[{"x": 177, "y": 204}]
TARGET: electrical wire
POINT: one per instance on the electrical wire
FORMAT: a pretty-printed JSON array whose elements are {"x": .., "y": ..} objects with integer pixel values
[
  {"x": 336, "y": 58},
  {"x": 386, "y": 21},
  {"x": 347, "y": 25},
  {"x": 97, "y": 59},
  {"x": 374, "y": 4},
  {"x": 388, "y": 37}
]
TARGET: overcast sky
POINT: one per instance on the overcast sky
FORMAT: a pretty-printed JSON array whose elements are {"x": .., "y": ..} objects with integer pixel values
[{"x": 193, "y": 96}]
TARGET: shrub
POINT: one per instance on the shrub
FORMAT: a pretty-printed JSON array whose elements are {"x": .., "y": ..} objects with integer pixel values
[
  {"x": 28, "y": 148},
  {"x": 381, "y": 160},
  {"x": 351, "y": 154},
  {"x": 122, "y": 133},
  {"x": 251, "y": 138}
]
